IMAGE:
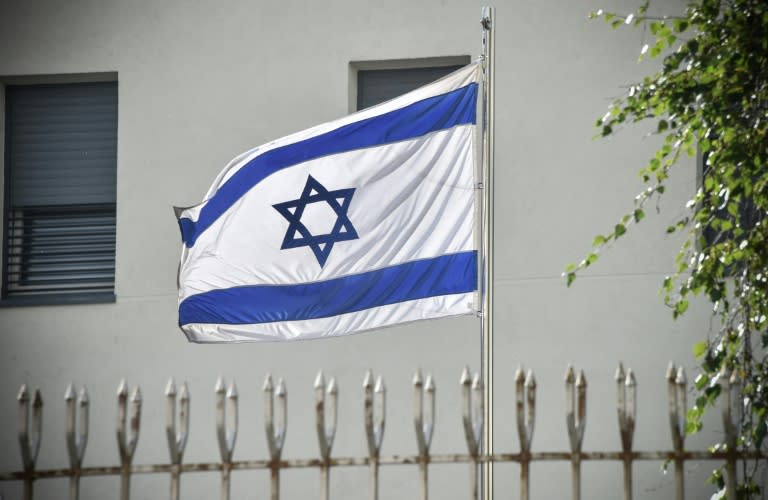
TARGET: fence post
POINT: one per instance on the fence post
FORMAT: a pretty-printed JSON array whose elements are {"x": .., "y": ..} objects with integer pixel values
[
  {"x": 29, "y": 442},
  {"x": 177, "y": 441},
  {"x": 226, "y": 430},
  {"x": 627, "y": 409},
  {"x": 576, "y": 420},
  {"x": 275, "y": 434},
  {"x": 731, "y": 401},
  {"x": 325, "y": 431},
  {"x": 76, "y": 440},
  {"x": 424, "y": 423},
  {"x": 472, "y": 417},
  {"x": 676, "y": 386},
  {"x": 375, "y": 413},
  {"x": 127, "y": 439},
  {"x": 525, "y": 395}
]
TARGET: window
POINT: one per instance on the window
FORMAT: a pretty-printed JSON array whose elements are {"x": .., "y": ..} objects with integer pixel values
[
  {"x": 379, "y": 84},
  {"x": 60, "y": 193},
  {"x": 747, "y": 216}
]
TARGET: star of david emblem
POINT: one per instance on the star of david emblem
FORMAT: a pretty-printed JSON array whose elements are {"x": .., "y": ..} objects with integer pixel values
[{"x": 298, "y": 235}]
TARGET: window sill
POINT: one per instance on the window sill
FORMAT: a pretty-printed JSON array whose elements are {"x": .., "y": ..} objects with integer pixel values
[{"x": 59, "y": 300}]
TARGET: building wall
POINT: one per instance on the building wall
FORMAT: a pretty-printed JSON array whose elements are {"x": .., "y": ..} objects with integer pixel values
[{"x": 200, "y": 82}]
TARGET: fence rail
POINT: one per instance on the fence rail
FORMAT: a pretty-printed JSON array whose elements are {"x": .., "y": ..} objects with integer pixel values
[{"x": 129, "y": 405}]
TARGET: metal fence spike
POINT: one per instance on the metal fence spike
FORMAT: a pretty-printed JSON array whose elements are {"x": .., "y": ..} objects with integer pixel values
[
  {"x": 469, "y": 412},
  {"x": 525, "y": 402},
  {"x": 30, "y": 429},
  {"x": 626, "y": 412},
  {"x": 429, "y": 385},
  {"x": 184, "y": 417},
  {"x": 374, "y": 410},
  {"x": 631, "y": 385},
  {"x": 465, "y": 378},
  {"x": 177, "y": 424},
  {"x": 730, "y": 399},
  {"x": 418, "y": 380},
  {"x": 374, "y": 418},
  {"x": 275, "y": 431},
  {"x": 232, "y": 390},
  {"x": 380, "y": 410},
  {"x": 170, "y": 388},
  {"x": 627, "y": 405},
  {"x": 69, "y": 393},
  {"x": 681, "y": 379},
  {"x": 219, "y": 388},
  {"x": 620, "y": 373},
  {"x": 423, "y": 422},
  {"x": 325, "y": 407},
  {"x": 127, "y": 436},
  {"x": 77, "y": 425},
  {"x": 581, "y": 380},
  {"x": 429, "y": 412},
  {"x": 325, "y": 414},
  {"x": 569, "y": 376},
  {"x": 479, "y": 407},
  {"x": 226, "y": 429},
  {"x": 575, "y": 408},
  {"x": 122, "y": 388},
  {"x": 268, "y": 385},
  {"x": 530, "y": 380},
  {"x": 677, "y": 411},
  {"x": 670, "y": 371},
  {"x": 530, "y": 413},
  {"x": 76, "y": 434},
  {"x": 23, "y": 394},
  {"x": 29, "y": 440}
]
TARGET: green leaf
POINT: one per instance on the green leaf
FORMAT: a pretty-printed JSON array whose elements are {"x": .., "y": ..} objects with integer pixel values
[
  {"x": 598, "y": 241},
  {"x": 639, "y": 215},
  {"x": 680, "y": 25},
  {"x": 619, "y": 229},
  {"x": 700, "y": 349},
  {"x": 680, "y": 308},
  {"x": 570, "y": 278}
]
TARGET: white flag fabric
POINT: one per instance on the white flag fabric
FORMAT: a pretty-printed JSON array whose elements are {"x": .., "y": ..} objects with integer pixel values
[{"x": 355, "y": 224}]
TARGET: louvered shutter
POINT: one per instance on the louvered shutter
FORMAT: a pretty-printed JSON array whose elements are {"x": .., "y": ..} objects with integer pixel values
[
  {"x": 376, "y": 86},
  {"x": 61, "y": 156}
]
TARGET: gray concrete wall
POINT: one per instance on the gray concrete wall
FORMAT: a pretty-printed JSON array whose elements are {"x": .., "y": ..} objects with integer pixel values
[{"x": 200, "y": 82}]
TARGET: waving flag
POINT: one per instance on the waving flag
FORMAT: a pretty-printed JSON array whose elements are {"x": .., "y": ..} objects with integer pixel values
[{"x": 356, "y": 224}]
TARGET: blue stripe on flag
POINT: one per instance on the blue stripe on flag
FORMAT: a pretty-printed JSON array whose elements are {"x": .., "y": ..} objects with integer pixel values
[
  {"x": 429, "y": 115},
  {"x": 444, "y": 275}
]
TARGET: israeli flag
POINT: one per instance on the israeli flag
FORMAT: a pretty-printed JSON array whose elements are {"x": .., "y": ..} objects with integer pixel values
[{"x": 360, "y": 223}]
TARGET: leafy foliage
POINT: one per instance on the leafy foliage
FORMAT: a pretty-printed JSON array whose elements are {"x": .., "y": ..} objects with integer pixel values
[{"x": 710, "y": 97}]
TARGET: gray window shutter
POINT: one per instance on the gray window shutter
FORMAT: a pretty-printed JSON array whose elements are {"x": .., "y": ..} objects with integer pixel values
[
  {"x": 61, "y": 157},
  {"x": 377, "y": 86}
]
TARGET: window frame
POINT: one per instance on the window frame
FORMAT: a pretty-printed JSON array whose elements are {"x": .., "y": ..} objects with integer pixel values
[{"x": 64, "y": 298}]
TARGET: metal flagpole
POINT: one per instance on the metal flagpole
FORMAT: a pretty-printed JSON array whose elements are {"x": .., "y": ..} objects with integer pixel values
[{"x": 487, "y": 314}]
